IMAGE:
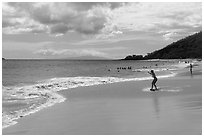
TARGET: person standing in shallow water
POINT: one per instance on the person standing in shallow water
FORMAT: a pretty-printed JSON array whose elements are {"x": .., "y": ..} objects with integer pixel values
[
  {"x": 154, "y": 80},
  {"x": 191, "y": 69}
]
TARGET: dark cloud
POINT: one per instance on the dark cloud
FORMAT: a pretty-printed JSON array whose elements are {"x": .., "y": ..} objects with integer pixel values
[
  {"x": 88, "y": 5},
  {"x": 39, "y": 13},
  {"x": 58, "y": 29},
  {"x": 7, "y": 23},
  {"x": 21, "y": 5},
  {"x": 42, "y": 15},
  {"x": 114, "y": 5},
  {"x": 90, "y": 25},
  {"x": 82, "y": 17}
]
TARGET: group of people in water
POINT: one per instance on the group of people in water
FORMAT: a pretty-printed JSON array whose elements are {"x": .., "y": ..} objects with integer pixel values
[
  {"x": 152, "y": 73},
  {"x": 124, "y": 68}
]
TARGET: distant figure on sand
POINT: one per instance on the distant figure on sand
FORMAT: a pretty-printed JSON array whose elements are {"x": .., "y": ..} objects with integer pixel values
[
  {"x": 154, "y": 80},
  {"x": 191, "y": 69}
]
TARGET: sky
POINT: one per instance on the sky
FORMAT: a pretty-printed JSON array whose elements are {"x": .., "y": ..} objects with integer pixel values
[{"x": 109, "y": 30}]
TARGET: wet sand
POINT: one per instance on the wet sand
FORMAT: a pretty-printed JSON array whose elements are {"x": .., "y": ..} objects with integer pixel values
[{"x": 121, "y": 109}]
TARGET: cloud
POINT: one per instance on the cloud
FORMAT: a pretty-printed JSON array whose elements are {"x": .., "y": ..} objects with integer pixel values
[
  {"x": 56, "y": 18},
  {"x": 169, "y": 35},
  {"x": 70, "y": 52},
  {"x": 58, "y": 29},
  {"x": 156, "y": 17},
  {"x": 102, "y": 20}
]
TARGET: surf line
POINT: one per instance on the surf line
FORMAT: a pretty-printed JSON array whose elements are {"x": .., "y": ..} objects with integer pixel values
[{"x": 149, "y": 78}]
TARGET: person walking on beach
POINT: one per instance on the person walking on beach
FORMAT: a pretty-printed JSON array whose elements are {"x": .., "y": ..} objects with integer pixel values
[
  {"x": 191, "y": 69},
  {"x": 154, "y": 80}
]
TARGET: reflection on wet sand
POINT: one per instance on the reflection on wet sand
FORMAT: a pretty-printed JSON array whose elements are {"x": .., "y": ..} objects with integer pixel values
[{"x": 155, "y": 103}]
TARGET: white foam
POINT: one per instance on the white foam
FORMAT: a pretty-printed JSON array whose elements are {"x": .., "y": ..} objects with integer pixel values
[
  {"x": 48, "y": 89},
  {"x": 164, "y": 89},
  {"x": 181, "y": 65},
  {"x": 27, "y": 93},
  {"x": 155, "y": 69}
]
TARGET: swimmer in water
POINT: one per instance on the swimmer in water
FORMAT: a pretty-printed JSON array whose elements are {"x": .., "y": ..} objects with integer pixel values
[{"x": 154, "y": 80}]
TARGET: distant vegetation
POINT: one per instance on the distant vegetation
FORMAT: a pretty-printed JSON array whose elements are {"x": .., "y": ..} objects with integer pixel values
[
  {"x": 189, "y": 47},
  {"x": 135, "y": 57}
]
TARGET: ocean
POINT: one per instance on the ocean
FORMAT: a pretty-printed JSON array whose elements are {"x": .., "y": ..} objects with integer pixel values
[{"x": 31, "y": 85}]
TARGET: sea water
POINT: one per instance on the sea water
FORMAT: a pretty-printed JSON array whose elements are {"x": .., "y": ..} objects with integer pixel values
[{"x": 31, "y": 85}]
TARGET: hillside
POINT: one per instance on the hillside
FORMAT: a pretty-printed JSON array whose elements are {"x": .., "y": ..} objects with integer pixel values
[{"x": 189, "y": 47}]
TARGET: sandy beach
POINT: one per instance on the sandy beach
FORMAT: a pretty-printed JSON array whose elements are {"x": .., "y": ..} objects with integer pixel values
[
  {"x": 101, "y": 68},
  {"x": 123, "y": 108}
]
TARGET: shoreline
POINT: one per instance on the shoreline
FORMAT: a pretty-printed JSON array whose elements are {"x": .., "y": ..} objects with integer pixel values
[
  {"x": 54, "y": 97},
  {"x": 84, "y": 94}
]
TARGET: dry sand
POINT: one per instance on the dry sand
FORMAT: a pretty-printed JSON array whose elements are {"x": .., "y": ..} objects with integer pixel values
[{"x": 121, "y": 108}]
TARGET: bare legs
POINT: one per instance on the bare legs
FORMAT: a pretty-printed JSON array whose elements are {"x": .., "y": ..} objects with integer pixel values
[{"x": 154, "y": 83}]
